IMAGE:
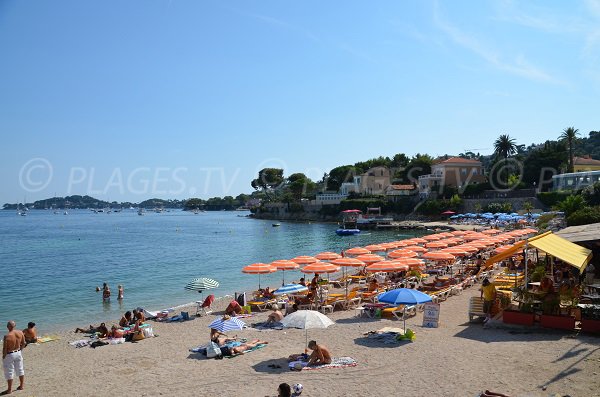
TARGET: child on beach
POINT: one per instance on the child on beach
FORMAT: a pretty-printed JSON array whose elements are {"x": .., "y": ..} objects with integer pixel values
[{"x": 120, "y": 293}]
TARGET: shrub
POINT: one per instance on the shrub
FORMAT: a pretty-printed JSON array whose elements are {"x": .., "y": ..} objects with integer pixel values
[
  {"x": 584, "y": 216},
  {"x": 571, "y": 204},
  {"x": 498, "y": 207},
  {"x": 552, "y": 198}
]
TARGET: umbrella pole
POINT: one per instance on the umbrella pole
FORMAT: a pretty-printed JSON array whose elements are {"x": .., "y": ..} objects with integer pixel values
[
  {"x": 283, "y": 277},
  {"x": 404, "y": 317},
  {"x": 258, "y": 280}
]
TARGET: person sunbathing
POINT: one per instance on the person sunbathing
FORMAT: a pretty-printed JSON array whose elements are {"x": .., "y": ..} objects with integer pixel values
[
  {"x": 30, "y": 333},
  {"x": 139, "y": 315},
  {"x": 241, "y": 349},
  {"x": 115, "y": 333},
  {"x": 320, "y": 354},
  {"x": 220, "y": 338},
  {"x": 267, "y": 294},
  {"x": 101, "y": 329},
  {"x": 373, "y": 285},
  {"x": 488, "y": 393},
  {"x": 233, "y": 308},
  {"x": 276, "y": 315}
]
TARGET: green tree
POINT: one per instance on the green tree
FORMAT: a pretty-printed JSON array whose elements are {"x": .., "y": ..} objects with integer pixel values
[
  {"x": 419, "y": 165},
  {"x": 542, "y": 162},
  {"x": 268, "y": 178},
  {"x": 505, "y": 146},
  {"x": 571, "y": 204},
  {"x": 591, "y": 194},
  {"x": 300, "y": 185},
  {"x": 570, "y": 135},
  {"x": 338, "y": 175}
]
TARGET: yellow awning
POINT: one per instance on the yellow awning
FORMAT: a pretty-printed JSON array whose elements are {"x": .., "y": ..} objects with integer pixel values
[{"x": 573, "y": 254}]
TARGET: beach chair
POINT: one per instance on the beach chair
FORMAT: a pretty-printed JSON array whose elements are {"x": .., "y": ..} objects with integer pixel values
[
  {"x": 205, "y": 307},
  {"x": 340, "y": 283},
  {"x": 261, "y": 306},
  {"x": 402, "y": 312},
  {"x": 476, "y": 308}
]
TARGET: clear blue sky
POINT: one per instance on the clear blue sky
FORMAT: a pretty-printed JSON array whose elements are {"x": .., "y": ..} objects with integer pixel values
[{"x": 172, "y": 99}]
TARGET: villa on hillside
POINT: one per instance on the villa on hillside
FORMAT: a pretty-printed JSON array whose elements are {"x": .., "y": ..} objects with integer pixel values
[
  {"x": 374, "y": 181},
  {"x": 397, "y": 192},
  {"x": 456, "y": 172},
  {"x": 585, "y": 163}
]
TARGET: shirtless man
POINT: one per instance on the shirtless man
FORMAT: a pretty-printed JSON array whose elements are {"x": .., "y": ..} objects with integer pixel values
[
  {"x": 30, "y": 333},
  {"x": 12, "y": 359},
  {"x": 126, "y": 320},
  {"x": 276, "y": 315},
  {"x": 320, "y": 354}
]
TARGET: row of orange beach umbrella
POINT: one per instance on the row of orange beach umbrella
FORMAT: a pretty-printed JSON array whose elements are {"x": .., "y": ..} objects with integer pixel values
[{"x": 401, "y": 255}]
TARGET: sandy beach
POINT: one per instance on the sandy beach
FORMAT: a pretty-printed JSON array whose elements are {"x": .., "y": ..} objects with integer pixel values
[{"x": 456, "y": 359}]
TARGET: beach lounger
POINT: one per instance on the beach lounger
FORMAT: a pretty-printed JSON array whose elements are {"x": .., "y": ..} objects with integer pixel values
[
  {"x": 476, "y": 308},
  {"x": 402, "y": 313},
  {"x": 262, "y": 305}
]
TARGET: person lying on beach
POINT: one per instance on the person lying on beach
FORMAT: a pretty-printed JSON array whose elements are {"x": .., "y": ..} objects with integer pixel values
[
  {"x": 101, "y": 329},
  {"x": 115, "y": 333},
  {"x": 275, "y": 316},
  {"x": 220, "y": 338},
  {"x": 268, "y": 294},
  {"x": 488, "y": 393},
  {"x": 233, "y": 308},
  {"x": 126, "y": 320},
  {"x": 373, "y": 285},
  {"x": 320, "y": 354},
  {"x": 30, "y": 333},
  {"x": 241, "y": 349}
]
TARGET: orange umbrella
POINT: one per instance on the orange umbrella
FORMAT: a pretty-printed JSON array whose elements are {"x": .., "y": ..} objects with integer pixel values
[
  {"x": 436, "y": 244},
  {"x": 357, "y": 251},
  {"x": 491, "y": 231},
  {"x": 416, "y": 248},
  {"x": 418, "y": 240},
  {"x": 304, "y": 259},
  {"x": 488, "y": 242},
  {"x": 389, "y": 246},
  {"x": 348, "y": 262},
  {"x": 375, "y": 247},
  {"x": 455, "y": 251},
  {"x": 402, "y": 243},
  {"x": 458, "y": 233},
  {"x": 412, "y": 263},
  {"x": 284, "y": 265},
  {"x": 474, "y": 236},
  {"x": 387, "y": 266},
  {"x": 320, "y": 267},
  {"x": 469, "y": 248},
  {"x": 438, "y": 256},
  {"x": 431, "y": 237},
  {"x": 366, "y": 258},
  {"x": 402, "y": 253},
  {"x": 327, "y": 256},
  {"x": 477, "y": 244},
  {"x": 452, "y": 241},
  {"x": 259, "y": 268}
]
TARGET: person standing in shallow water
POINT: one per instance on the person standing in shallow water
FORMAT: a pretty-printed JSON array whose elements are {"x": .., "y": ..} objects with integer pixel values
[
  {"x": 120, "y": 293},
  {"x": 105, "y": 293}
]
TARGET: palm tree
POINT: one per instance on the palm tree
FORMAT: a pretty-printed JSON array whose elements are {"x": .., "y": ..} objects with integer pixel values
[
  {"x": 570, "y": 135},
  {"x": 505, "y": 146}
]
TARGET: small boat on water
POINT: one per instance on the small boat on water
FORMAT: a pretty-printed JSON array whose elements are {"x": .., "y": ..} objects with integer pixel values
[
  {"x": 276, "y": 224},
  {"x": 347, "y": 232},
  {"x": 348, "y": 227}
]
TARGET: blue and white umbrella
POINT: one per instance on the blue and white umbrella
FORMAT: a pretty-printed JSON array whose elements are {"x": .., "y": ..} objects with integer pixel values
[
  {"x": 290, "y": 289},
  {"x": 225, "y": 324},
  {"x": 201, "y": 284}
]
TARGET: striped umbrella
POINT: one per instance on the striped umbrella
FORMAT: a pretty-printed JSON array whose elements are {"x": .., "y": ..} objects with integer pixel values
[
  {"x": 375, "y": 248},
  {"x": 357, "y": 251},
  {"x": 290, "y": 289},
  {"x": 259, "y": 268},
  {"x": 284, "y": 265},
  {"x": 436, "y": 244},
  {"x": 366, "y": 258},
  {"x": 304, "y": 259},
  {"x": 431, "y": 237},
  {"x": 227, "y": 323},
  {"x": 438, "y": 256},
  {"x": 419, "y": 240},
  {"x": 416, "y": 248},
  {"x": 320, "y": 267},
  {"x": 387, "y": 266},
  {"x": 327, "y": 256},
  {"x": 201, "y": 284},
  {"x": 402, "y": 253},
  {"x": 412, "y": 263}
]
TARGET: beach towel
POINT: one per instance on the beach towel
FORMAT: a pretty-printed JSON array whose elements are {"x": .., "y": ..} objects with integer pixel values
[
  {"x": 265, "y": 326},
  {"x": 47, "y": 338},
  {"x": 244, "y": 315},
  {"x": 80, "y": 343},
  {"x": 338, "y": 362}
]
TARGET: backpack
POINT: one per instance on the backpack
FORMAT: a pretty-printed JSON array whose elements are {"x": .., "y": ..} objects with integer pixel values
[{"x": 213, "y": 350}]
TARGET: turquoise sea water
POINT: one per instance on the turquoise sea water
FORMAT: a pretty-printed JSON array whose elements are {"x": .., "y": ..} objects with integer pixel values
[{"x": 52, "y": 263}]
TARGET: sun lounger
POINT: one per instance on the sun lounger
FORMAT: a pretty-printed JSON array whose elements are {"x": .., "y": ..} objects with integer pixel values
[
  {"x": 476, "y": 308},
  {"x": 262, "y": 305}
]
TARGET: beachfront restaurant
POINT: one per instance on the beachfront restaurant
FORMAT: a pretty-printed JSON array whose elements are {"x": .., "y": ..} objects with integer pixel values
[{"x": 549, "y": 292}]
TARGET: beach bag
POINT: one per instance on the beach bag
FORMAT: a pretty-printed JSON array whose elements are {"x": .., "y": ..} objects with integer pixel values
[
  {"x": 148, "y": 332},
  {"x": 213, "y": 350}
]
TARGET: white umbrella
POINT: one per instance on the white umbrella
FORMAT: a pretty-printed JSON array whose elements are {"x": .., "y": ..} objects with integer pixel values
[
  {"x": 290, "y": 289},
  {"x": 305, "y": 319}
]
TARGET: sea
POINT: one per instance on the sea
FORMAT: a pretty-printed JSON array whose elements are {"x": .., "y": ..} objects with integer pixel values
[{"x": 51, "y": 263}]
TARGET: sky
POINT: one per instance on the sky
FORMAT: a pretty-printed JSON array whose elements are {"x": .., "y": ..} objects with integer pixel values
[{"x": 174, "y": 99}]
